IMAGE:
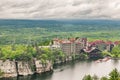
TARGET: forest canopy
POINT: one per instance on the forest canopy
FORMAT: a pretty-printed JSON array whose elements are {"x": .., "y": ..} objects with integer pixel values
[{"x": 43, "y": 31}]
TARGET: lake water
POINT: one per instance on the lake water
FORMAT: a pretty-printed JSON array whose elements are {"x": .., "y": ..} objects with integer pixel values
[{"x": 75, "y": 71}]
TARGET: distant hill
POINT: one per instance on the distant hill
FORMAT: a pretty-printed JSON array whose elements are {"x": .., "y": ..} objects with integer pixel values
[
  {"x": 43, "y": 22},
  {"x": 23, "y": 31}
]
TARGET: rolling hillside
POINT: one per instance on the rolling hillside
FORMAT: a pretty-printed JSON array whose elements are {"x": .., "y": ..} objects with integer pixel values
[{"x": 28, "y": 31}]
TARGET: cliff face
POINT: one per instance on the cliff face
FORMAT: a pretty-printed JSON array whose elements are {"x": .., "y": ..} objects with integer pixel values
[
  {"x": 40, "y": 67},
  {"x": 15, "y": 68},
  {"x": 24, "y": 68},
  {"x": 49, "y": 66},
  {"x": 8, "y": 68}
]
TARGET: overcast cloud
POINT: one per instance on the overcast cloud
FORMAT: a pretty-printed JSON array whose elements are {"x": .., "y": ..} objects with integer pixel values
[{"x": 58, "y": 9}]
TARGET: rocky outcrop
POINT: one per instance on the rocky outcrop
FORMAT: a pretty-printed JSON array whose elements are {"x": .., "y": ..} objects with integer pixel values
[
  {"x": 48, "y": 66},
  {"x": 24, "y": 68},
  {"x": 8, "y": 68},
  {"x": 40, "y": 67},
  {"x": 15, "y": 68}
]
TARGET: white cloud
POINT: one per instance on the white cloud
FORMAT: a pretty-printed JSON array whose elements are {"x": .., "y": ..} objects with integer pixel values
[{"x": 44, "y": 9}]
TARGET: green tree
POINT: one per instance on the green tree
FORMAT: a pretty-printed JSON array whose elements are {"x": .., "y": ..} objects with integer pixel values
[
  {"x": 105, "y": 52},
  {"x": 18, "y": 52},
  {"x": 83, "y": 56},
  {"x": 104, "y": 78},
  {"x": 115, "y": 51},
  {"x": 87, "y": 77},
  {"x": 114, "y": 75},
  {"x": 95, "y": 77},
  {"x": 58, "y": 54}
]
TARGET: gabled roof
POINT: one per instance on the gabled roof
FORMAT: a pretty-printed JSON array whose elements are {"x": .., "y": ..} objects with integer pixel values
[{"x": 117, "y": 42}]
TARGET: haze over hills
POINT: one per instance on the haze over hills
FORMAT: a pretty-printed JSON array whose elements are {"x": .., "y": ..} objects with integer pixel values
[{"x": 25, "y": 31}]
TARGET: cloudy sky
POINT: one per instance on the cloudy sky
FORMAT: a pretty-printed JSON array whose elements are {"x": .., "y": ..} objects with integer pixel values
[{"x": 60, "y": 9}]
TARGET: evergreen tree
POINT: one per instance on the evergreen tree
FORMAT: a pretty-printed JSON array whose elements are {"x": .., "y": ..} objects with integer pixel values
[
  {"x": 87, "y": 77},
  {"x": 114, "y": 75},
  {"x": 104, "y": 78},
  {"x": 116, "y": 51}
]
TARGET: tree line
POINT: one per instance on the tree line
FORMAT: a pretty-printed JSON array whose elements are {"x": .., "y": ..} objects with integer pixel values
[{"x": 113, "y": 75}]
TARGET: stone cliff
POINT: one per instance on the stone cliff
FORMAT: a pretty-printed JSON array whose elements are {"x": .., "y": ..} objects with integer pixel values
[
  {"x": 8, "y": 68},
  {"x": 40, "y": 67},
  {"x": 15, "y": 68},
  {"x": 24, "y": 68}
]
